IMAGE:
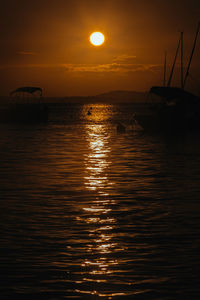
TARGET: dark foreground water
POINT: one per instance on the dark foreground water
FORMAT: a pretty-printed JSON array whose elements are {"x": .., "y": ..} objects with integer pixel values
[{"x": 87, "y": 212}]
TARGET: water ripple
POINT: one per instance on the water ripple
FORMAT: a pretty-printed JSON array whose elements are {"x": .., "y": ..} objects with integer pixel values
[{"x": 88, "y": 213}]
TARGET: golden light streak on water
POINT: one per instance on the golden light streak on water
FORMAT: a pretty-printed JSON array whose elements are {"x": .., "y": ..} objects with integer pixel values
[
  {"x": 98, "y": 212},
  {"x": 97, "y": 158}
]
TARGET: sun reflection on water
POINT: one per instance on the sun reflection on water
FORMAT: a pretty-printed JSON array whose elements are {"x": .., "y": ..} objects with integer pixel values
[
  {"x": 97, "y": 160},
  {"x": 97, "y": 213}
]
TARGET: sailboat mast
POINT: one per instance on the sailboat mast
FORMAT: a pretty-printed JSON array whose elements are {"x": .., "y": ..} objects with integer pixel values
[
  {"x": 165, "y": 66},
  {"x": 190, "y": 60},
  {"x": 173, "y": 66},
  {"x": 182, "y": 85}
]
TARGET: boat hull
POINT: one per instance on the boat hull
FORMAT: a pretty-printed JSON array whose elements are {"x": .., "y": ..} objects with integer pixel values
[{"x": 169, "y": 119}]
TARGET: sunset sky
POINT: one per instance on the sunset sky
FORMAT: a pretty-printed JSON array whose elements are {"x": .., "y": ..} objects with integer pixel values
[{"x": 46, "y": 43}]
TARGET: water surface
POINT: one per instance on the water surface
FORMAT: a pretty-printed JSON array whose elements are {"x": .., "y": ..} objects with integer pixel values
[{"x": 87, "y": 212}]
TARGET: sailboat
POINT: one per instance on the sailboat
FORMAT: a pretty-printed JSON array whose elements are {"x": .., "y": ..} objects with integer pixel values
[{"x": 177, "y": 109}]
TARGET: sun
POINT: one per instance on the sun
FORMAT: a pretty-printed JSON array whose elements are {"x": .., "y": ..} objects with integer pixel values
[{"x": 97, "y": 38}]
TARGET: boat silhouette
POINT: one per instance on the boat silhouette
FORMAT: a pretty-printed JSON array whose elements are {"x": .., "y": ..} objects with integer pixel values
[
  {"x": 25, "y": 106},
  {"x": 175, "y": 109}
]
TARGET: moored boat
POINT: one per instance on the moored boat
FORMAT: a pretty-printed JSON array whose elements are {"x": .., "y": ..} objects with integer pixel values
[
  {"x": 175, "y": 109},
  {"x": 25, "y": 105}
]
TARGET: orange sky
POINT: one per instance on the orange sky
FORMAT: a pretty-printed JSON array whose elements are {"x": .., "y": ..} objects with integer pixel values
[{"x": 46, "y": 44}]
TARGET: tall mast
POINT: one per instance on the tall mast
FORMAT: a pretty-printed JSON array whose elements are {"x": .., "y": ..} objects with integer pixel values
[
  {"x": 165, "y": 66},
  {"x": 190, "y": 60},
  {"x": 172, "y": 70},
  {"x": 182, "y": 85}
]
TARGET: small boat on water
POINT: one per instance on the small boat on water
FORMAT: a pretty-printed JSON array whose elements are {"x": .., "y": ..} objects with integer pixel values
[
  {"x": 173, "y": 108},
  {"x": 25, "y": 105}
]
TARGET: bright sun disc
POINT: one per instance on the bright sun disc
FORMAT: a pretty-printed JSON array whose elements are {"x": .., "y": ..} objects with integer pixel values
[{"x": 97, "y": 38}]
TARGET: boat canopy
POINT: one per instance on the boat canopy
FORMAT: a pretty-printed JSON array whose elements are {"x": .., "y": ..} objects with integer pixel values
[
  {"x": 170, "y": 93},
  {"x": 27, "y": 89}
]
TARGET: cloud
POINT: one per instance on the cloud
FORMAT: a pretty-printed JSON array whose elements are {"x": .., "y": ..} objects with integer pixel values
[
  {"x": 26, "y": 53},
  {"x": 124, "y": 58},
  {"x": 113, "y": 67},
  {"x": 108, "y": 68}
]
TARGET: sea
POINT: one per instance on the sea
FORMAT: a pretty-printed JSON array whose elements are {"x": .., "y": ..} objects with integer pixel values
[{"x": 88, "y": 211}]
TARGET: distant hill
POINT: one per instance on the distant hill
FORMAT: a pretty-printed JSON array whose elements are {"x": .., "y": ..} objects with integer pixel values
[
  {"x": 109, "y": 97},
  {"x": 123, "y": 96}
]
